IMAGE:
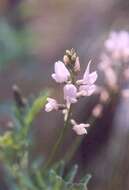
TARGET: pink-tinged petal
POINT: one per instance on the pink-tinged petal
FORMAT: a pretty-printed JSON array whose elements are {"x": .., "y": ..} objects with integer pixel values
[
  {"x": 89, "y": 78},
  {"x": 61, "y": 72},
  {"x": 87, "y": 90},
  {"x": 54, "y": 77},
  {"x": 80, "y": 128},
  {"x": 51, "y": 105},
  {"x": 70, "y": 93},
  {"x": 87, "y": 71},
  {"x": 93, "y": 77}
]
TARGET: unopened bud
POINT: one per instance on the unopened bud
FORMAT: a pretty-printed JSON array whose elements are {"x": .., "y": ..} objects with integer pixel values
[
  {"x": 68, "y": 52},
  {"x": 19, "y": 99},
  {"x": 74, "y": 56},
  {"x": 66, "y": 59},
  {"x": 77, "y": 65}
]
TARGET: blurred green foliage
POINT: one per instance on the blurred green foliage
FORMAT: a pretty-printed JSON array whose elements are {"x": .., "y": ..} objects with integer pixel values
[
  {"x": 22, "y": 172},
  {"x": 14, "y": 43}
]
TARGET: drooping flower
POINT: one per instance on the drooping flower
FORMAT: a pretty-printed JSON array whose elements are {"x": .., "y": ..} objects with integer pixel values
[
  {"x": 51, "y": 105},
  {"x": 70, "y": 93},
  {"x": 80, "y": 129},
  {"x": 87, "y": 86},
  {"x": 61, "y": 72}
]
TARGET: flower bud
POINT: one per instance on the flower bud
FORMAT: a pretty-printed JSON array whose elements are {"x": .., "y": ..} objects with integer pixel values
[
  {"x": 77, "y": 65},
  {"x": 73, "y": 57},
  {"x": 21, "y": 102},
  {"x": 68, "y": 52},
  {"x": 66, "y": 59}
]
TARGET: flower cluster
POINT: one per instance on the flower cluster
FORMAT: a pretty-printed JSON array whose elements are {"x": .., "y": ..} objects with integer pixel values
[
  {"x": 66, "y": 72},
  {"x": 114, "y": 64},
  {"x": 115, "y": 59},
  {"x": 118, "y": 45}
]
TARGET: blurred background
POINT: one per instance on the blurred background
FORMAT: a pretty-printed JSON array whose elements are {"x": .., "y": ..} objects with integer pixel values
[{"x": 33, "y": 35}]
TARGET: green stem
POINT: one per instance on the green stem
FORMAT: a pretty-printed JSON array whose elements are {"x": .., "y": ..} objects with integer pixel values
[
  {"x": 59, "y": 140},
  {"x": 68, "y": 156}
]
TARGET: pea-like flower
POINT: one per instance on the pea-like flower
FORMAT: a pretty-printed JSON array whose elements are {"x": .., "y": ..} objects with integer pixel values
[
  {"x": 89, "y": 78},
  {"x": 80, "y": 129},
  {"x": 87, "y": 86},
  {"x": 51, "y": 105},
  {"x": 73, "y": 89},
  {"x": 87, "y": 90},
  {"x": 61, "y": 72},
  {"x": 70, "y": 93}
]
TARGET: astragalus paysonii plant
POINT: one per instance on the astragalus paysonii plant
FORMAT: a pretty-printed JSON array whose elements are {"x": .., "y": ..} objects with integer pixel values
[
  {"x": 66, "y": 72},
  {"x": 17, "y": 144}
]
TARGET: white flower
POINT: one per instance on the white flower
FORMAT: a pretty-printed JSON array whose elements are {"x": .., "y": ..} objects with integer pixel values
[
  {"x": 61, "y": 72},
  {"x": 80, "y": 129},
  {"x": 89, "y": 78},
  {"x": 70, "y": 93},
  {"x": 118, "y": 45},
  {"x": 87, "y": 90},
  {"x": 87, "y": 86},
  {"x": 51, "y": 105}
]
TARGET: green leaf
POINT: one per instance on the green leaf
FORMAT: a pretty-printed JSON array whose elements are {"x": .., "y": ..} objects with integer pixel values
[
  {"x": 86, "y": 179},
  {"x": 59, "y": 168},
  {"x": 26, "y": 182},
  {"x": 71, "y": 175},
  {"x": 36, "y": 107}
]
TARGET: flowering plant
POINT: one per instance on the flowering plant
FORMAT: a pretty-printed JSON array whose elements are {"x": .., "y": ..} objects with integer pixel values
[
  {"x": 21, "y": 171},
  {"x": 73, "y": 89}
]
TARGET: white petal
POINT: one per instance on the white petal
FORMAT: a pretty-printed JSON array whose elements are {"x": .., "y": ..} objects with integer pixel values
[
  {"x": 54, "y": 77},
  {"x": 51, "y": 105},
  {"x": 87, "y": 71},
  {"x": 70, "y": 93},
  {"x": 93, "y": 77},
  {"x": 61, "y": 72},
  {"x": 87, "y": 90},
  {"x": 79, "y": 130}
]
